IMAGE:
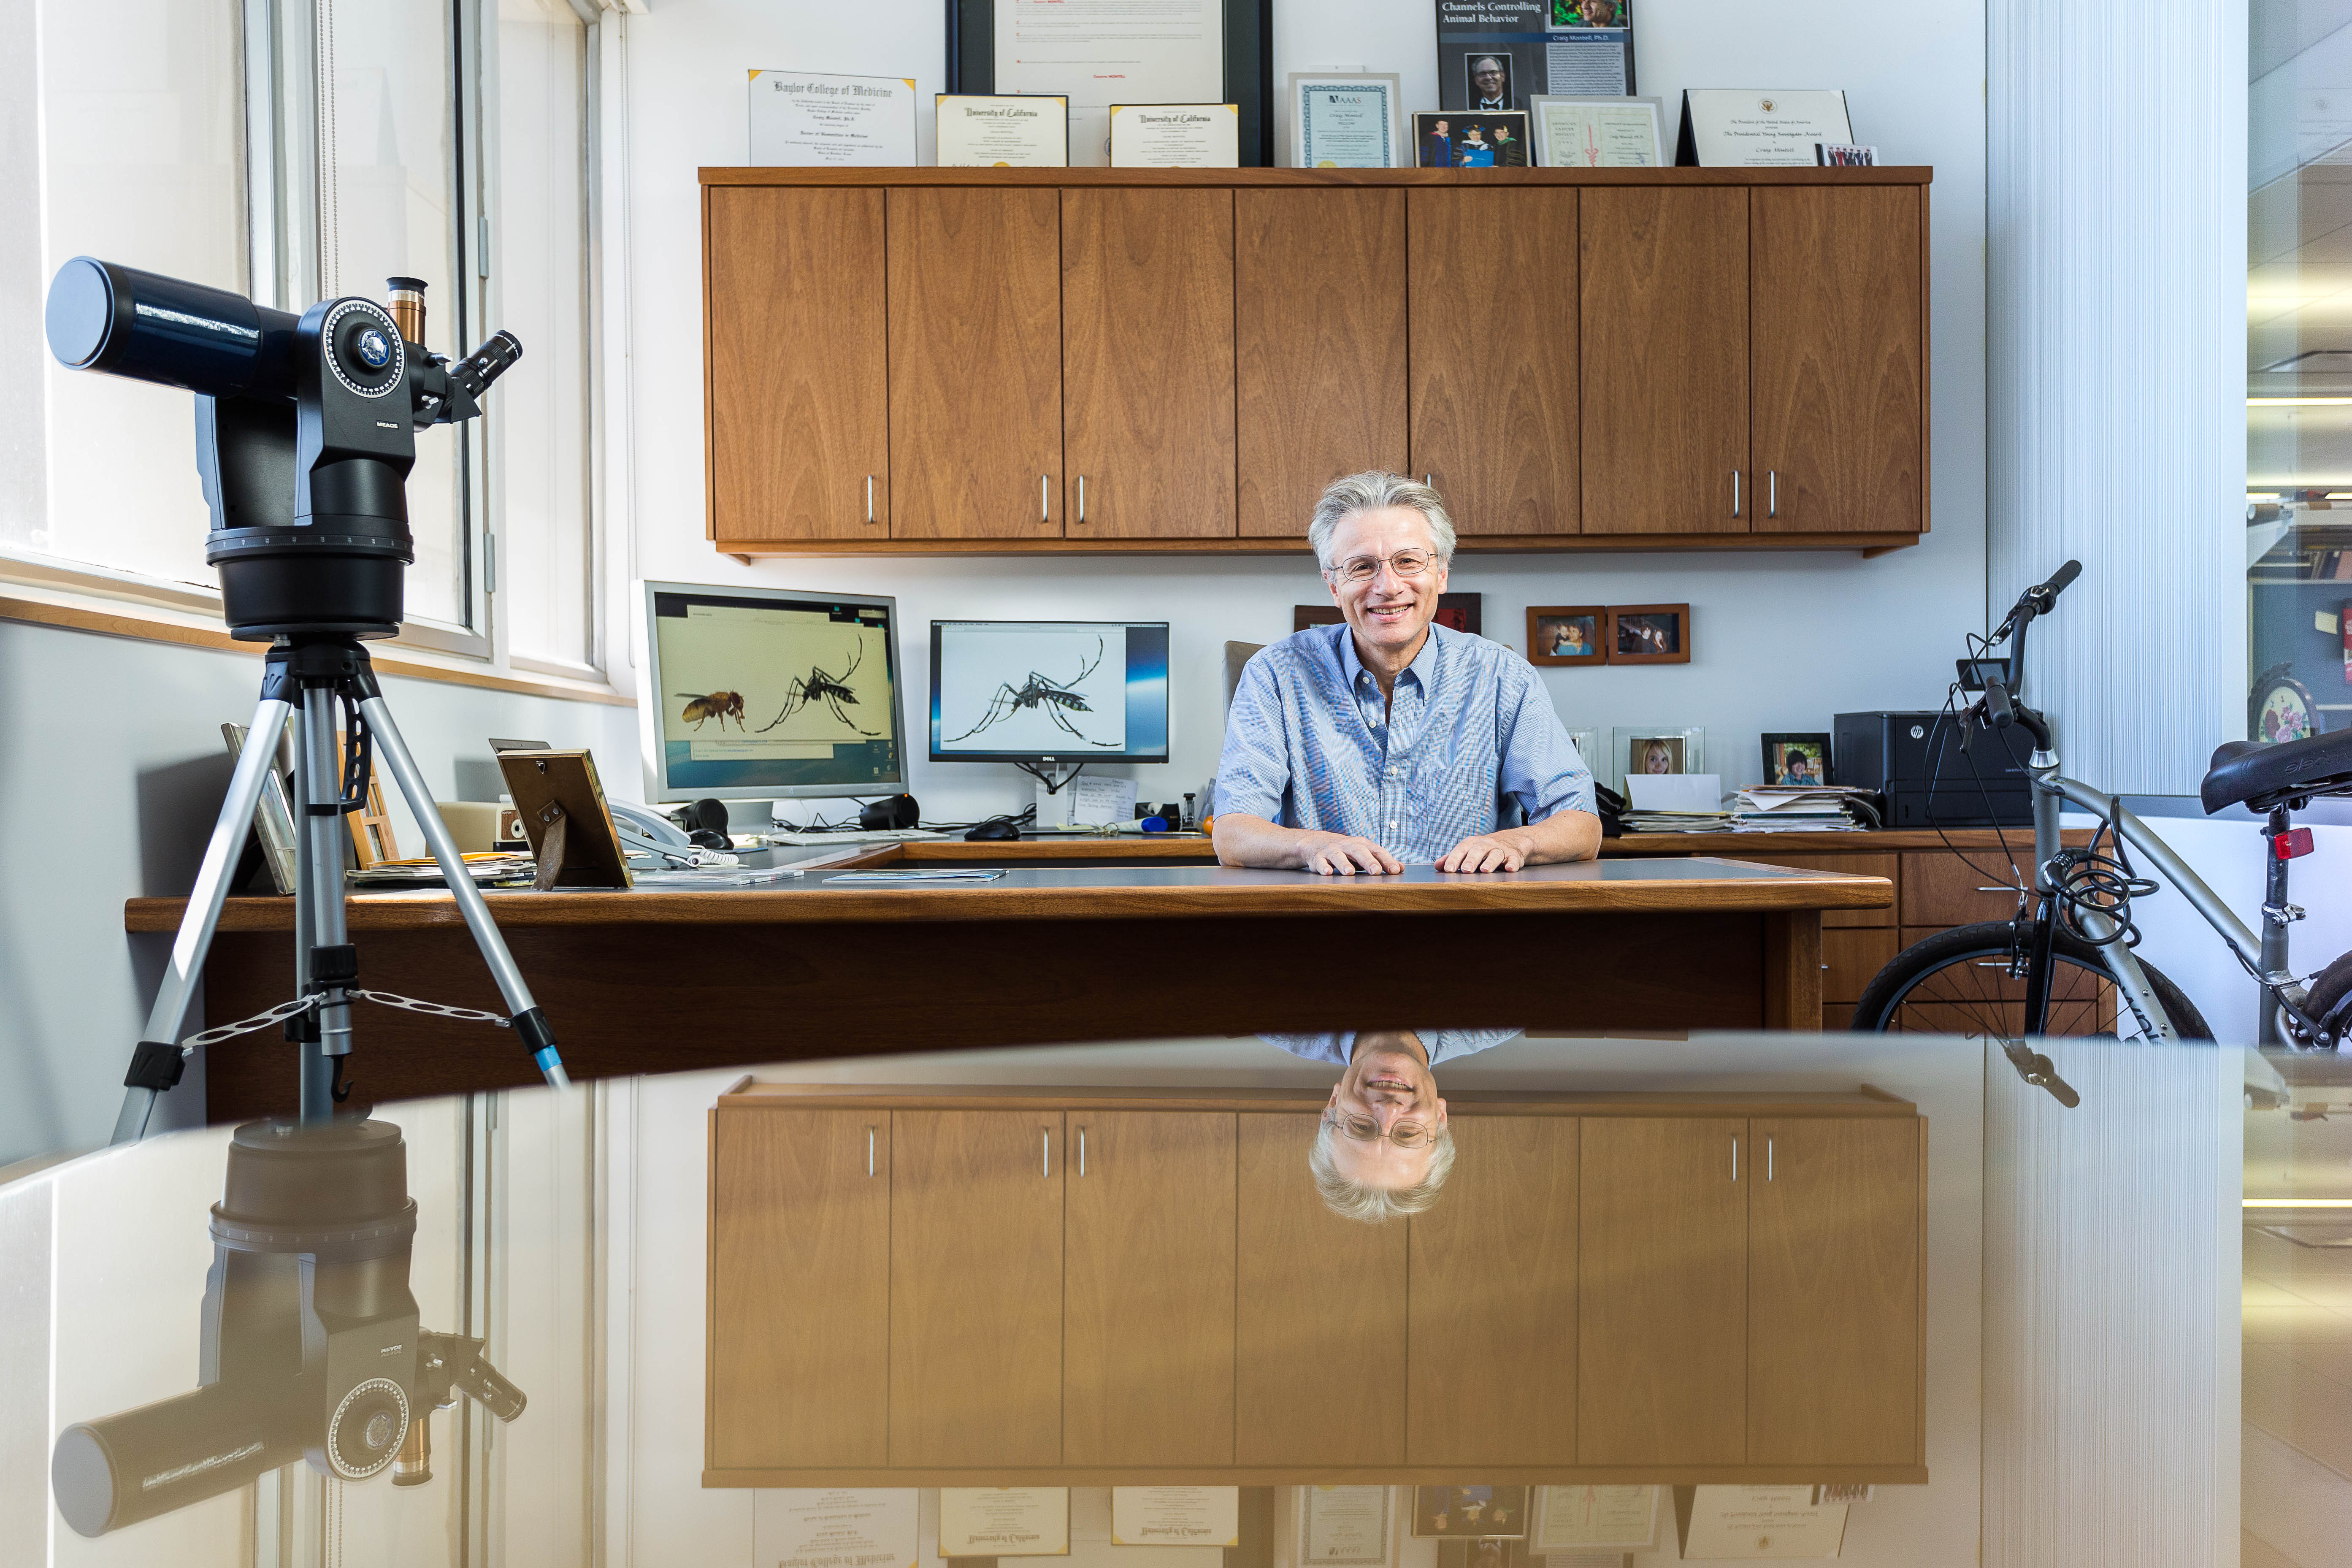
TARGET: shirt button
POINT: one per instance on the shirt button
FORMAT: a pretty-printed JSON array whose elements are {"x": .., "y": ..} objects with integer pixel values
[
  {"x": 1391, "y": 826},
  {"x": 1392, "y": 772}
]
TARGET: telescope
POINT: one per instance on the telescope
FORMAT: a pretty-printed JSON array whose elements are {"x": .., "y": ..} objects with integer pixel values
[{"x": 306, "y": 432}]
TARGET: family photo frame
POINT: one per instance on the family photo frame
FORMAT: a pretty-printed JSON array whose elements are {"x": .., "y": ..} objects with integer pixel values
[
  {"x": 1584, "y": 636},
  {"x": 1797, "y": 759}
]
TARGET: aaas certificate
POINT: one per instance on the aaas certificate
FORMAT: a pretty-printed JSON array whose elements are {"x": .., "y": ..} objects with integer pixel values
[
  {"x": 1578, "y": 1517},
  {"x": 839, "y": 1527},
  {"x": 807, "y": 118},
  {"x": 1346, "y": 122},
  {"x": 1020, "y": 133},
  {"x": 1343, "y": 1527},
  {"x": 1175, "y": 1516},
  {"x": 1175, "y": 136},
  {"x": 1004, "y": 1521},
  {"x": 1110, "y": 51}
]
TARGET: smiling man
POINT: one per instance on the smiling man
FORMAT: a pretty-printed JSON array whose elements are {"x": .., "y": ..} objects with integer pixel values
[
  {"x": 1360, "y": 747},
  {"x": 1382, "y": 1150}
]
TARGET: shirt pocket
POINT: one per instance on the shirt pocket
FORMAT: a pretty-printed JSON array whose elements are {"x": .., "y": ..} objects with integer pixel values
[{"x": 1456, "y": 803}]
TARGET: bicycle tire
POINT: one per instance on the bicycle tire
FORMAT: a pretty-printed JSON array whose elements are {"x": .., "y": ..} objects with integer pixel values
[
  {"x": 1968, "y": 991},
  {"x": 2328, "y": 989}
]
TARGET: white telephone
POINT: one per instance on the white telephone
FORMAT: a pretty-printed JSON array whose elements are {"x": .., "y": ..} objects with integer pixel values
[{"x": 649, "y": 838}]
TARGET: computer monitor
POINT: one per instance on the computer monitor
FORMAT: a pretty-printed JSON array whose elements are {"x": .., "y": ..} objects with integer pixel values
[
  {"x": 1049, "y": 691},
  {"x": 767, "y": 693}
]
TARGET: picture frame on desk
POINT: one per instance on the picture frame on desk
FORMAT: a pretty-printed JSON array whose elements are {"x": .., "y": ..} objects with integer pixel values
[
  {"x": 1472, "y": 139},
  {"x": 1797, "y": 759},
  {"x": 1649, "y": 634},
  {"x": 1572, "y": 636},
  {"x": 1658, "y": 749}
]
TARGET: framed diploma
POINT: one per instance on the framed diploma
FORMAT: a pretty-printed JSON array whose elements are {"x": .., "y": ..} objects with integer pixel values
[
  {"x": 1598, "y": 132},
  {"x": 1004, "y": 1521},
  {"x": 1017, "y": 133},
  {"x": 1736, "y": 128},
  {"x": 1757, "y": 1522},
  {"x": 1175, "y": 1516},
  {"x": 1343, "y": 1527},
  {"x": 1339, "y": 122},
  {"x": 811, "y": 118},
  {"x": 830, "y": 1527},
  {"x": 1175, "y": 136},
  {"x": 1572, "y": 1519}
]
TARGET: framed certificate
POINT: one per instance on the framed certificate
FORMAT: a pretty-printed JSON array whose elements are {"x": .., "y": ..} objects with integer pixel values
[
  {"x": 800, "y": 118},
  {"x": 1023, "y": 131},
  {"x": 1598, "y": 132},
  {"x": 1572, "y": 1519},
  {"x": 1004, "y": 1521},
  {"x": 826, "y": 1527},
  {"x": 1175, "y": 136},
  {"x": 1341, "y": 122},
  {"x": 1738, "y": 128},
  {"x": 1175, "y": 1516},
  {"x": 1343, "y": 1527}
]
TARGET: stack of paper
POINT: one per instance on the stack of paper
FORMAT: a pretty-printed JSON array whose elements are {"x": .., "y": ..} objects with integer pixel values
[
  {"x": 1792, "y": 808},
  {"x": 489, "y": 870},
  {"x": 1675, "y": 803}
]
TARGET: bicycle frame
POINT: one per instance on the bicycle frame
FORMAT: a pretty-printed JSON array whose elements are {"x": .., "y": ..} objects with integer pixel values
[{"x": 2265, "y": 955}]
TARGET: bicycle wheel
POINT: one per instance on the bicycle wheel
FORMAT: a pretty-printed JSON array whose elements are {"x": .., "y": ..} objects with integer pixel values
[{"x": 1957, "y": 982}]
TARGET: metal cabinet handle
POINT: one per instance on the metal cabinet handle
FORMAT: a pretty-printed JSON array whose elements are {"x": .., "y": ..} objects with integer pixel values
[
  {"x": 1768, "y": 1159},
  {"x": 1045, "y": 1148},
  {"x": 869, "y": 1150},
  {"x": 869, "y": 498},
  {"x": 1082, "y": 498},
  {"x": 1771, "y": 492},
  {"x": 1045, "y": 498},
  {"x": 1735, "y": 1157},
  {"x": 1082, "y": 1151},
  {"x": 1429, "y": 481},
  {"x": 1735, "y": 492}
]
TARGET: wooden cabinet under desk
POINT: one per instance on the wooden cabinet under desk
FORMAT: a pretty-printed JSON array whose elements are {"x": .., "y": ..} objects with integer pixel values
[
  {"x": 1129, "y": 1287},
  {"x": 1120, "y": 361}
]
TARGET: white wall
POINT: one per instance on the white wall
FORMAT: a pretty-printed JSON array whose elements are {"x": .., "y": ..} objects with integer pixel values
[
  {"x": 1780, "y": 641},
  {"x": 111, "y": 775}
]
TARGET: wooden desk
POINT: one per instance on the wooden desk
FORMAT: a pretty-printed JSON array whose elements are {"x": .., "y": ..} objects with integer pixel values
[{"x": 1065, "y": 947}]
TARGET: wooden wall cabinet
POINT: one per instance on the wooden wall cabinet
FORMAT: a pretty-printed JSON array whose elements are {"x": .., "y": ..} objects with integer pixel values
[
  {"x": 1091, "y": 1288},
  {"x": 1119, "y": 361}
]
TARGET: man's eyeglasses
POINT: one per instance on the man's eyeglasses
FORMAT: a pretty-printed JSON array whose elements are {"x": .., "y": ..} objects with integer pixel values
[
  {"x": 1404, "y": 1134},
  {"x": 1364, "y": 568}
]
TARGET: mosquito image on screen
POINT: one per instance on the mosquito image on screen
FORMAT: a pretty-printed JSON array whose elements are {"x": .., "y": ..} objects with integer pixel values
[
  {"x": 1057, "y": 700},
  {"x": 833, "y": 690}
]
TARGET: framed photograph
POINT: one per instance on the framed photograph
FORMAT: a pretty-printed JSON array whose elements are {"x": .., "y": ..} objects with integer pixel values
[
  {"x": 1659, "y": 749},
  {"x": 1844, "y": 155},
  {"x": 1575, "y": 16},
  {"x": 1484, "y": 1552},
  {"x": 1472, "y": 139},
  {"x": 1598, "y": 132},
  {"x": 1588, "y": 746},
  {"x": 1470, "y": 1513},
  {"x": 1461, "y": 613},
  {"x": 1487, "y": 80},
  {"x": 1797, "y": 759},
  {"x": 1345, "y": 121},
  {"x": 1649, "y": 634},
  {"x": 1570, "y": 634}
]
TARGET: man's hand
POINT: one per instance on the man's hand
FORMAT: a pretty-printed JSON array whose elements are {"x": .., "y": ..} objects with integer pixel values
[
  {"x": 1337, "y": 854},
  {"x": 1484, "y": 852}
]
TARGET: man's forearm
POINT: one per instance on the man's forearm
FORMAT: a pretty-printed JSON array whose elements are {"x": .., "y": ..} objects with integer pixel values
[
  {"x": 1562, "y": 836},
  {"x": 1241, "y": 839}
]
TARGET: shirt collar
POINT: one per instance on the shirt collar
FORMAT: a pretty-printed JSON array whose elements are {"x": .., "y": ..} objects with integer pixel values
[{"x": 1423, "y": 667}]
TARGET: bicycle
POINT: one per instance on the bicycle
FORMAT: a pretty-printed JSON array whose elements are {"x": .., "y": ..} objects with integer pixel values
[{"x": 2064, "y": 965}]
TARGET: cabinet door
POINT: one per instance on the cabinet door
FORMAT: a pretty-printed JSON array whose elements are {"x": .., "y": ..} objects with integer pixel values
[
  {"x": 1662, "y": 1319},
  {"x": 1840, "y": 357},
  {"x": 975, "y": 364},
  {"x": 1319, "y": 346},
  {"x": 1666, "y": 361},
  {"x": 1834, "y": 1292},
  {"x": 800, "y": 1288},
  {"x": 796, "y": 361},
  {"x": 1493, "y": 1309},
  {"x": 1147, "y": 363},
  {"x": 1147, "y": 1295},
  {"x": 1320, "y": 1362},
  {"x": 976, "y": 1287},
  {"x": 1492, "y": 275}
]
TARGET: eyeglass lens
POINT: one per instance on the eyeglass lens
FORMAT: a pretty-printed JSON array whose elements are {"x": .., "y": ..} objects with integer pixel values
[{"x": 1404, "y": 563}]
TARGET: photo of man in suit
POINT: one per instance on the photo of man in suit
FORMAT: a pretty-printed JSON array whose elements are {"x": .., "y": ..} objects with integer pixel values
[
  {"x": 1437, "y": 147},
  {"x": 1490, "y": 82}
]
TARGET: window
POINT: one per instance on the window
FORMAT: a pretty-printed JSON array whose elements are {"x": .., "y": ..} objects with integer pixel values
[{"x": 294, "y": 150}]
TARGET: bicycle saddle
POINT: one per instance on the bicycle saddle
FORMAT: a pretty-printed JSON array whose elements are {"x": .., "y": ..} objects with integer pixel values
[{"x": 2262, "y": 777}]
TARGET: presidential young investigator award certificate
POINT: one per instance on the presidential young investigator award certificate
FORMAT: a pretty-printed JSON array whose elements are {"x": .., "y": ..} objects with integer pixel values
[
  {"x": 1110, "y": 51},
  {"x": 1031, "y": 132},
  {"x": 836, "y": 1527}
]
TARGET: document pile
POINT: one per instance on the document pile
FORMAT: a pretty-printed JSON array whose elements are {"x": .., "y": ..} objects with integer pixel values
[
  {"x": 501, "y": 868},
  {"x": 1793, "y": 808},
  {"x": 1675, "y": 803}
]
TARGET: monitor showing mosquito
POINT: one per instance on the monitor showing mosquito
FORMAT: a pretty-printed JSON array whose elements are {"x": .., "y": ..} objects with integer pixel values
[
  {"x": 1049, "y": 691},
  {"x": 768, "y": 693}
]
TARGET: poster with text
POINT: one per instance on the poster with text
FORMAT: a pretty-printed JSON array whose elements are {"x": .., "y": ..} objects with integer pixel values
[{"x": 1498, "y": 54}]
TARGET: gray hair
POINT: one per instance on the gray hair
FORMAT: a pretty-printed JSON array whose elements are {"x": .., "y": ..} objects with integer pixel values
[
  {"x": 1376, "y": 490},
  {"x": 1360, "y": 1200}
]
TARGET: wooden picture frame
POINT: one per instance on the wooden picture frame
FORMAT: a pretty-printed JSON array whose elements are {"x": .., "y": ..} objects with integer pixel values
[
  {"x": 1548, "y": 623},
  {"x": 562, "y": 804},
  {"x": 1636, "y": 632}
]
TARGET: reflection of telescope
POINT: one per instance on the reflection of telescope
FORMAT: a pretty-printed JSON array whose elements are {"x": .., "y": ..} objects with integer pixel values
[
  {"x": 311, "y": 1347},
  {"x": 305, "y": 429}
]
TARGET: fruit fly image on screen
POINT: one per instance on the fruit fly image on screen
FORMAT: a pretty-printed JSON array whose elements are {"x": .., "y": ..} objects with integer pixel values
[{"x": 1014, "y": 686}]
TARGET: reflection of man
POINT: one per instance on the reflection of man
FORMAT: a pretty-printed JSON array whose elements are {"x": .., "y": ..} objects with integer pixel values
[
  {"x": 1489, "y": 86},
  {"x": 1437, "y": 148},
  {"x": 1382, "y": 1148},
  {"x": 1357, "y": 747}
]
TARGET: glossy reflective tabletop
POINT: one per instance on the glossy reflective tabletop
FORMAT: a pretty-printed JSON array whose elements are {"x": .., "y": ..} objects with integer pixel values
[{"x": 1706, "y": 1298}]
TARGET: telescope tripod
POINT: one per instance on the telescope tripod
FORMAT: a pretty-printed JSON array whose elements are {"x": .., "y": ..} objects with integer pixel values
[{"x": 303, "y": 681}]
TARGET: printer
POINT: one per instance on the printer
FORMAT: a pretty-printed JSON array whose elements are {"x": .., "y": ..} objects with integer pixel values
[{"x": 1915, "y": 760}]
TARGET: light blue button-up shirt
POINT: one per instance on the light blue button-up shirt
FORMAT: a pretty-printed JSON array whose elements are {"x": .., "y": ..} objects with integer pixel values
[{"x": 1309, "y": 745}]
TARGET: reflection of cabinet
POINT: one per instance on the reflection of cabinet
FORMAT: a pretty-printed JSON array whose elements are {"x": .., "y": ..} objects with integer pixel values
[{"x": 1089, "y": 1287}]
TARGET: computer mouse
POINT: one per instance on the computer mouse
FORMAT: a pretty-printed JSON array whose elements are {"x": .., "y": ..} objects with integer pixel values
[{"x": 997, "y": 828}]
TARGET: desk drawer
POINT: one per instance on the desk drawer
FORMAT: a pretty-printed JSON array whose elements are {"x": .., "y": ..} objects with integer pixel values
[
  {"x": 1939, "y": 888},
  {"x": 1853, "y": 865},
  {"x": 1851, "y": 959}
]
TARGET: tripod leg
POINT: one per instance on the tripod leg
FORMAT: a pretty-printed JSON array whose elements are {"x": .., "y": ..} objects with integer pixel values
[
  {"x": 322, "y": 826},
  {"x": 316, "y": 1101},
  {"x": 155, "y": 1065},
  {"x": 528, "y": 1021}
]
